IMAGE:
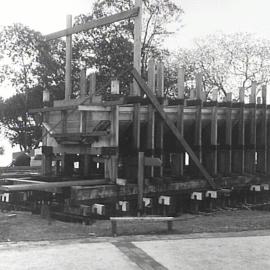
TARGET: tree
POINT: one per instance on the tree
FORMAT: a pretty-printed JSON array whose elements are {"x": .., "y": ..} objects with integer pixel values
[
  {"x": 228, "y": 61},
  {"x": 28, "y": 65},
  {"x": 20, "y": 127},
  {"x": 109, "y": 49}
]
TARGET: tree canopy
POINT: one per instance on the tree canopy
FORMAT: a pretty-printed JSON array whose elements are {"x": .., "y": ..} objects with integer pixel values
[
  {"x": 28, "y": 65},
  {"x": 228, "y": 61},
  {"x": 109, "y": 48}
]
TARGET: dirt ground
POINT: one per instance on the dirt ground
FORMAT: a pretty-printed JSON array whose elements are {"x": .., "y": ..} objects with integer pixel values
[{"x": 27, "y": 227}]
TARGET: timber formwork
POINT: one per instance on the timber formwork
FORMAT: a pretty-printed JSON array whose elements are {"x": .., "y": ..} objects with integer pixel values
[{"x": 145, "y": 145}]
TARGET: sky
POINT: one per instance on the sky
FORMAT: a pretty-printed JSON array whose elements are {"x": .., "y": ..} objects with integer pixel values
[{"x": 201, "y": 17}]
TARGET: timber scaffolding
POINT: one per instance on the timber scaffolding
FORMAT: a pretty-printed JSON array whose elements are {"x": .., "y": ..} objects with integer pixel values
[{"x": 146, "y": 149}]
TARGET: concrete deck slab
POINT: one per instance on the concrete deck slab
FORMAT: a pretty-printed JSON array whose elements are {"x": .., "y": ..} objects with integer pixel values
[
  {"x": 213, "y": 253},
  {"x": 66, "y": 257}
]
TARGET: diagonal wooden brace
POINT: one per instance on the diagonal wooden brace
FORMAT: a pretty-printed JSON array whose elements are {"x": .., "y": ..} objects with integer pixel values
[{"x": 171, "y": 126}]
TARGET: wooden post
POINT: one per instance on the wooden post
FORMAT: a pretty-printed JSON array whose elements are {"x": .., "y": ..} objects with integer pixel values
[
  {"x": 68, "y": 74},
  {"x": 241, "y": 130},
  {"x": 198, "y": 119},
  {"x": 140, "y": 181},
  {"x": 137, "y": 65},
  {"x": 228, "y": 136},
  {"x": 172, "y": 127},
  {"x": 151, "y": 114},
  {"x": 83, "y": 83},
  {"x": 214, "y": 127},
  {"x": 178, "y": 159},
  {"x": 198, "y": 79},
  {"x": 137, "y": 46},
  {"x": 160, "y": 124},
  {"x": 115, "y": 87},
  {"x": 114, "y": 141},
  {"x": 46, "y": 157},
  {"x": 263, "y": 154},
  {"x": 92, "y": 85},
  {"x": 136, "y": 127},
  {"x": 250, "y": 143}
]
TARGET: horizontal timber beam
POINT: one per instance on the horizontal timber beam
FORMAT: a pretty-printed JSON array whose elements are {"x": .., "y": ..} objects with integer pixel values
[
  {"x": 94, "y": 24},
  {"x": 171, "y": 126},
  {"x": 45, "y": 186}
]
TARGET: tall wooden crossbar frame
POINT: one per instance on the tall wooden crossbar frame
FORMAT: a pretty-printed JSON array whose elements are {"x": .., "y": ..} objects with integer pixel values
[{"x": 138, "y": 83}]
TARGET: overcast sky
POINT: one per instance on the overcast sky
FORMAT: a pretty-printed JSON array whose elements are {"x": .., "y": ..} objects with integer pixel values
[{"x": 201, "y": 17}]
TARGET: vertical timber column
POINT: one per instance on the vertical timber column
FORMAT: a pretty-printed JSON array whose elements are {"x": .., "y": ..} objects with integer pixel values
[
  {"x": 64, "y": 160},
  {"x": 198, "y": 118},
  {"x": 83, "y": 119},
  {"x": 262, "y": 136},
  {"x": 140, "y": 177},
  {"x": 214, "y": 128},
  {"x": 160, "y": 123},
  {"x": 228, "y": 135},
  {"x": 83, "y": 83},
  {"x": 92, "y": 85},
  {"x": 151, "y": 116},
  {"x": 178, "y": 159},
  {"x": 68, "y": 82},
  {"x": 241, "y": 130},
  {"x": 46, "y": 157},
  {"x": 137, "y": 65},
  {"x": 83, "y": 95},
  {"x": 114, "y": 142},
  {"x": 251, "y": 145}
]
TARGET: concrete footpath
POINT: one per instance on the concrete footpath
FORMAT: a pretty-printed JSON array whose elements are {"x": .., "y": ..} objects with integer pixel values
[{"x": 244, "y": 250}]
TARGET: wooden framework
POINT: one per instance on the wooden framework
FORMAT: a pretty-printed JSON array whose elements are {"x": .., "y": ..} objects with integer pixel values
[{"x": 140, "y": 139}]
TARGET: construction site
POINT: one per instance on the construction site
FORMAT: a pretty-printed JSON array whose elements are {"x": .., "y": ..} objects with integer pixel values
[{"x": 143, "y": 155}]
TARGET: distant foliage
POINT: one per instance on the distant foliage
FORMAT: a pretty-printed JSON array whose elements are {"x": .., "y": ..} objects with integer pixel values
[
  {"x": 227, "y": 62},
  {"x": 29, "y": 65}
]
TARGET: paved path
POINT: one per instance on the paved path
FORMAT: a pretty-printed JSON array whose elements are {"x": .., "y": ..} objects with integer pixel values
[{"x": 208, "y": 251}]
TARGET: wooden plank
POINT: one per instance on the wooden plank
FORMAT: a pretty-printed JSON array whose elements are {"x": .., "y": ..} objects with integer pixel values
[
  {"x": 160, "y": 79},
  {"x": 52, "y": 185},
  {"x": 198, "y": 131},
  {"x": 241, "y": 129},
  {"x": 97, "y": 133},
  {"x": 93, "y": 24},
  {"x": 214, "y": 134},
  {"x": 160, "y": 124},
  {"x": 136, "y": 127},
  {"x": 137, "y": 45},
  {"x": 172, "y": 127},
  {"x": 142, "y": 218},
  {"x": 68, "y": 73},
  {"x": 140, "y": 181},
  {"x": 63, "y": 121},
  {"x": 199, "y": 85},
  {"x": 178, "y": 159},
  {"x": 51, "y": 109},
  {"x": 181, "y": 83},
  {"x": 92, "y": 85},
  {"x": 114, "y": 142},
  {"x": 264, "y": 129},
  {"x": 253, "y": 125},
  {"x": 151, "y": 161},
  {"x": 151, "y": 113},
  {"x": 83, "y": 83},
  {"x": 83, "y": 120},
  {"x": 228, "y": 135}
]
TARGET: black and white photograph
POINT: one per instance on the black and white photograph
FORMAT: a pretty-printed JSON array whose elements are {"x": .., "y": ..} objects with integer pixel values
[{"x": 135, "y": 134}]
